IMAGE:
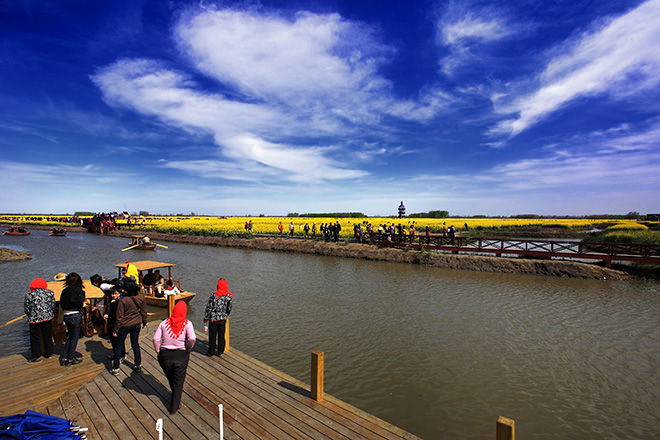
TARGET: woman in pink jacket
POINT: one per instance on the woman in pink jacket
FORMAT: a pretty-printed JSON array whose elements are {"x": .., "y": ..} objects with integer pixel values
[{"x": 173, "y": 341}]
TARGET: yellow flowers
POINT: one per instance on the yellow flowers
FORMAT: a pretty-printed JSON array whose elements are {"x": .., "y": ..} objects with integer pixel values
[{"x": 235, "y": 226}]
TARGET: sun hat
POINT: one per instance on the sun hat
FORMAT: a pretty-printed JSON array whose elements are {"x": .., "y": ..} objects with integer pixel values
[{"x": 60, "y": 276}]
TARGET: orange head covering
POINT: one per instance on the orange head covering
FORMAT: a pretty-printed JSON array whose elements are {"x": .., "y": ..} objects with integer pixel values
[
  {"x": 223, "y": 289},
  {"x": 38, "y": 283},
  {"x": 176, "y": 323}
]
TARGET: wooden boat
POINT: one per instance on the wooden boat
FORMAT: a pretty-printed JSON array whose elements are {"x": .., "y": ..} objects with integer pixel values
[
  {"x": 148, "y": 291},
  {"x": 142, "y": 243},
  {"x": 58, "y": 232},
  {"x": 15, "y": 231}
]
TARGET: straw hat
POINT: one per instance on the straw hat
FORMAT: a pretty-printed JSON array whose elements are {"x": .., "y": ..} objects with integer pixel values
[{"x": 60, "y": 276}]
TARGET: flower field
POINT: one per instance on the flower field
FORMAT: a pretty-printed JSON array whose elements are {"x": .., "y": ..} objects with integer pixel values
[{"x": 235, "y": 226}]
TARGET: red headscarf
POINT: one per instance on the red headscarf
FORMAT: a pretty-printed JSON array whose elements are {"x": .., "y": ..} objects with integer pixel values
[
  {"x": 38, "y": 283},
  {"x": 176, "y": 323},
  {"x": 223, "y": 289}
]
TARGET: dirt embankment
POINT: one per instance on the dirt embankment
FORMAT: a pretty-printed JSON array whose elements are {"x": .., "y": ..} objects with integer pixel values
[
  {"x": 7, "y": 255},
  {"x": 449, "y": 261}
]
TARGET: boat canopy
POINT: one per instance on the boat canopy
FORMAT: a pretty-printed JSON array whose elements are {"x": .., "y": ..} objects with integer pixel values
[
  {"x": 145, "y": 265},
  {"x": 91, "y": 291}
]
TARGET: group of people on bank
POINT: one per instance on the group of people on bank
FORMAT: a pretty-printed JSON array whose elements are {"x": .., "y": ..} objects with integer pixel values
[
  {"x": 387, "y": 233},
  {"x": 124, "y": 315}
]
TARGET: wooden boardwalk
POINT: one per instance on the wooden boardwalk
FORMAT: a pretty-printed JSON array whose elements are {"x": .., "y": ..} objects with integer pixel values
[{"x": 259, "y": 401}]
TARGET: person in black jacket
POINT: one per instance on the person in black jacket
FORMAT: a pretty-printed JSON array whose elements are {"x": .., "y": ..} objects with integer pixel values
[{"x": 71, "y": 301}]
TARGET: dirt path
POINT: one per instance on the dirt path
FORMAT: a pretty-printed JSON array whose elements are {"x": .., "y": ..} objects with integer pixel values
[
  {"x": 560, "y": 268},
  {"x": 449, "y": 261}
]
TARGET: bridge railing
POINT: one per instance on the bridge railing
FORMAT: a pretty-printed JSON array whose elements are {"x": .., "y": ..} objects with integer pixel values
[{"x": 607, "y": 252}]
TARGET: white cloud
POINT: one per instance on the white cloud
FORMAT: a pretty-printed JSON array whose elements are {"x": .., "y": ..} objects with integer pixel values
[
  {"x": 307, "y": 78},
  {"x": 464, "y": 29},
  {"x": 313, "y": 64},
  {"x": 621, "y": 54}
]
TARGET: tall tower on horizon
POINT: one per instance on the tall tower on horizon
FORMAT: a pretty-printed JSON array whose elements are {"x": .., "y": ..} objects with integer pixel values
[{"x": 402, "y": 210}]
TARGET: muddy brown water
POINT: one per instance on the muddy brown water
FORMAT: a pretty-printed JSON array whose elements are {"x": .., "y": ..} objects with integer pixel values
[{"x": 440, "y": 353}]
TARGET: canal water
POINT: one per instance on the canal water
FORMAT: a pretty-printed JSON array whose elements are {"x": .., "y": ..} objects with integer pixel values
[{"x": 439, "y": 353}]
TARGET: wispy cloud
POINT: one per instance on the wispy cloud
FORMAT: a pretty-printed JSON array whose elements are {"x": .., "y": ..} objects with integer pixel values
[
  {"x": 621, "y": 54},
  {"x": 464, "y": 29}
]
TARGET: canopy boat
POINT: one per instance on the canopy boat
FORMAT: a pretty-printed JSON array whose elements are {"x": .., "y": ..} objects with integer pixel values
[
  {"x": 141, "y": 243},
  {"x": 91, "y": 291},
  {"x": 149, "y": 291},
  {"x": 58, "y": 232},
  {"x": 15, "y": 231}
]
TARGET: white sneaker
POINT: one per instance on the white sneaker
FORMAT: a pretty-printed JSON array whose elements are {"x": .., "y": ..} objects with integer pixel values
[{"x": 114, "y": 372}]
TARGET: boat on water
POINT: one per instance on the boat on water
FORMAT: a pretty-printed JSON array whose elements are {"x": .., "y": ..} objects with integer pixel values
[
  {"x": 15, "y": 231},
  {"x": 58, "y": 232},
  {"x": 141, "y": 243},
  {"x": 150, "y": 293}
]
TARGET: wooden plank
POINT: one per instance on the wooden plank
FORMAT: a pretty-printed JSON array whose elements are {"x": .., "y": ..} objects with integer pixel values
[
  {"x": 150, "y": 394},
  {"x": 341, "y": 413},
  {"x": 144, "y": 404},
  {"x": 207, "y": 426},
  {"x": 248, "y": 416},
  {"x": 127, "y": 407},
  {"x": 298, "y": 405},
  {"x": 102, "y": 426},
  {"x": 56, "y": 410},
  {"x": 75, "y": 412},
  {"x": 116, "y": 421},
  {"x": 278, "y": 408}
]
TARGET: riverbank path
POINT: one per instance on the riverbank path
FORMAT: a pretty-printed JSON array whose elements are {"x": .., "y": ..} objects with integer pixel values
[{"x": 259, "y": 401}]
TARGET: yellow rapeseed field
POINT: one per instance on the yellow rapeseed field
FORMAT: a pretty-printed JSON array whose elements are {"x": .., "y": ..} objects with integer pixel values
[
  {"x": 235, "y": 226},
  {"x": 226, "y": 226}
]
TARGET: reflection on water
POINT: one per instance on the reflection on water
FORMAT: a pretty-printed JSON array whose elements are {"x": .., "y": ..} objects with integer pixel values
[{"x": 439, "y": 353}]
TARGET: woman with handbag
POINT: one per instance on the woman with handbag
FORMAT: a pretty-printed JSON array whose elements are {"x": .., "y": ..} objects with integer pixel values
[
  {"x": 173, "y": 341},
  {"x": 131, "y": 315}
]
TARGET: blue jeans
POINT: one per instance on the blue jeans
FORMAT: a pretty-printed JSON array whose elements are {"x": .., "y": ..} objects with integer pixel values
[
  {"x": 73, "y": 326},
  {"x": 134, "y": 331}
]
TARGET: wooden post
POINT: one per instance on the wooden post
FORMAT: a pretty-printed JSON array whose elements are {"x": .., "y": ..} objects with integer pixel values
[
  {"x": 506, "y": 429},
  {"x": 170, "y": 304},
  {"x": 227, "y": 335},
  {"x": 317, "y": 375}
]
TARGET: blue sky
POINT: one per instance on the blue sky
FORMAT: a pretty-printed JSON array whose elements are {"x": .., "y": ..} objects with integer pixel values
[{"x": 271, "y": 107}]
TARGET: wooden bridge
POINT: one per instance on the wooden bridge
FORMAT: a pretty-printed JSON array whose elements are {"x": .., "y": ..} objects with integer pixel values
[{"x": 606, "y": 252}]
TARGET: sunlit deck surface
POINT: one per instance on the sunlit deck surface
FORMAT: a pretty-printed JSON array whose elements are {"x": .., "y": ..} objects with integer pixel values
[{"x": 259, "y": 401}]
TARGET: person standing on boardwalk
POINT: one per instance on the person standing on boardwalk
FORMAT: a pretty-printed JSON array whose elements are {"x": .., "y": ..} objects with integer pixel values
[
  {"x": 280, "y": 228},
  {"x": 39, "y": 305},
  {"x": 111, "y": 319},
  {"x": 173, "y": 341},
  {"x": 217, "y": 311},
  {"x": 131, "y": 312},
  {"x": 72, "y": 300}
]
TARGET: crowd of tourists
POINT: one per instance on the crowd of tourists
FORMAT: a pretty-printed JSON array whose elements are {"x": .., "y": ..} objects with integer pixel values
[
  {"x": 384, "y": 233},
  {"x": 123, "y": 317}
]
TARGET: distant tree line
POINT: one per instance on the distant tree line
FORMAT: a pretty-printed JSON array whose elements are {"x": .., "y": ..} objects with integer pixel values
[{"x": 430, "y": 214}]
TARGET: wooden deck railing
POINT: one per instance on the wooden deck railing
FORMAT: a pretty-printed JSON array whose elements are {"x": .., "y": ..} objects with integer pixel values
[{"x": 607, "y": 252}]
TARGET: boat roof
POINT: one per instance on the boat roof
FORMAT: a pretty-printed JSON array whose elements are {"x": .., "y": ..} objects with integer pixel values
[
  {"x": 91, "y": 291},
  {"x": 138, "y": 236},
  {"x": 145, "y": 265}
]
